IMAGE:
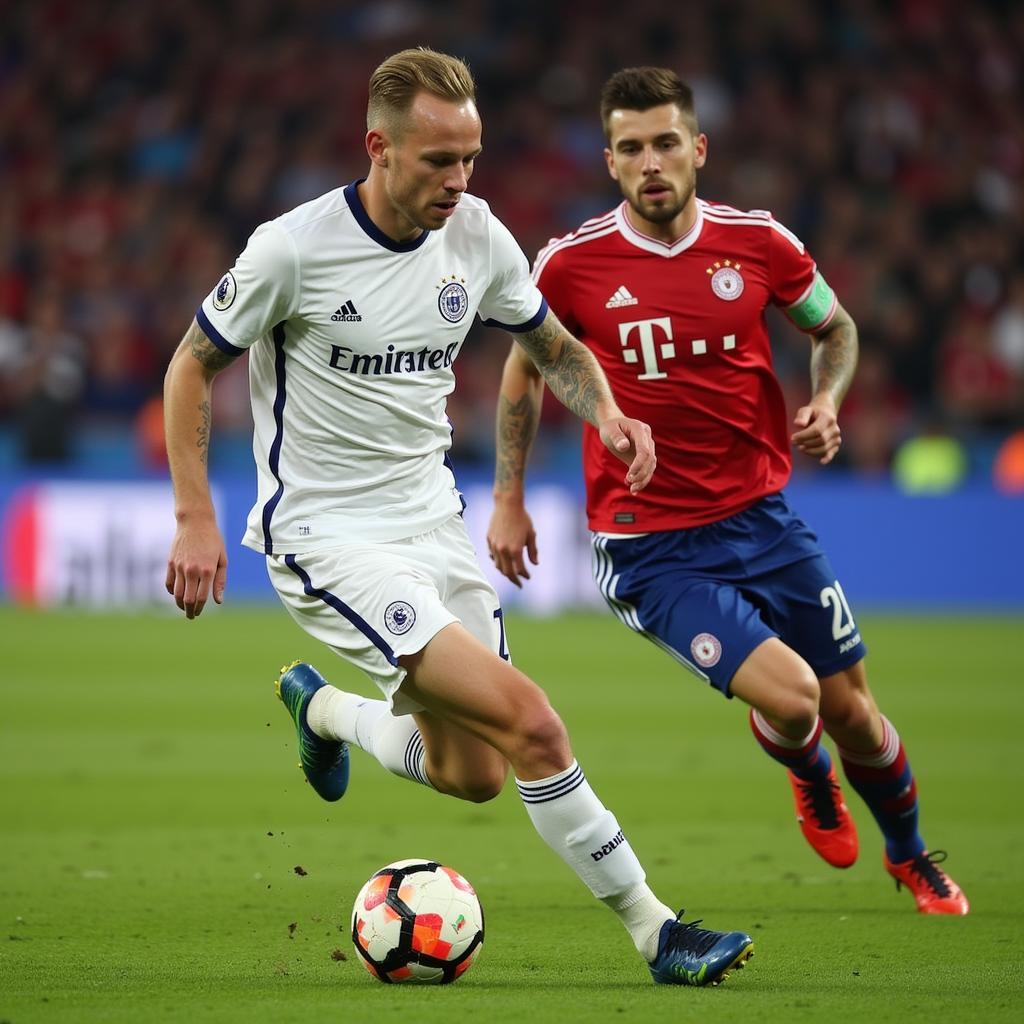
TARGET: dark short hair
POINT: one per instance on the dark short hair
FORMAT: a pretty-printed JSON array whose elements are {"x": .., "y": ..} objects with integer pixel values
[{"x": 643, "y": 88}]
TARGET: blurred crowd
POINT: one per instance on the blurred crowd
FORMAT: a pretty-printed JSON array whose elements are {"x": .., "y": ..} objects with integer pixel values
[{"x": 141, "y": 142}]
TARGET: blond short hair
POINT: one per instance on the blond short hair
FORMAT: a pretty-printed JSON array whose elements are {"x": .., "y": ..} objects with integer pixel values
[{"x": 398, "y": 80}]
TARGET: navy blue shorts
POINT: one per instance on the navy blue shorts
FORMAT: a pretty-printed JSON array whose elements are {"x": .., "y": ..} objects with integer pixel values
[{"x": 709, "y": 595}]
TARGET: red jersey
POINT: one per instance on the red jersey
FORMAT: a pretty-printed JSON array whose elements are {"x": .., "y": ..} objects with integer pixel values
[{"x": 680, "y": 332}]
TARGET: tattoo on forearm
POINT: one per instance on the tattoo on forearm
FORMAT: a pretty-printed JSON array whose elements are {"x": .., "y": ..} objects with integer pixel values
[
  {"x": 203, "y": 430},
  {"x": 834, "y": 359},
  {"x": 517, "y": 427},
  {"x": 540, "y": 342},
  {"x": 568, "y": 367},
  {"x": 205, "y": 351}
]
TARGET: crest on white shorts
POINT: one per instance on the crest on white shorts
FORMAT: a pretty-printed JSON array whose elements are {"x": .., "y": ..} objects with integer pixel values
[
  {"x": 399, "y": 617},
  {"x": 706, "y": 649}
]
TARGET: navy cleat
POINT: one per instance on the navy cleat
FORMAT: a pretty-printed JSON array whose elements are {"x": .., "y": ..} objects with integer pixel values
[
  {"x": 325, "y": 762},
  {"x": 688, "y": 955}
]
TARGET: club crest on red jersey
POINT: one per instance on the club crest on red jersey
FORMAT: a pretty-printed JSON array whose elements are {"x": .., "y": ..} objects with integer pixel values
[{"x": 726, "y": 279}]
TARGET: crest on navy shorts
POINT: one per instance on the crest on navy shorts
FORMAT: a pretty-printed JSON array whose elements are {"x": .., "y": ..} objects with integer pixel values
[
  {"x": 453, "y": 302},
  {"x": 399, "y": 617},
  {"x": 706, "y": 649},
  {"x": 726, "y": 279},
  {"x": 224, "y": 294}
]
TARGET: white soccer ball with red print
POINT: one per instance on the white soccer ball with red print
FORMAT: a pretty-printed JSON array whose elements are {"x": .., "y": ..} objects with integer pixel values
[{"x": 417, "y": 921}]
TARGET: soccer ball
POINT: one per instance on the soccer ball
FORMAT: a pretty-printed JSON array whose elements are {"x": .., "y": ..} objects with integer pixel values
[{"x": 416, "y": 920}]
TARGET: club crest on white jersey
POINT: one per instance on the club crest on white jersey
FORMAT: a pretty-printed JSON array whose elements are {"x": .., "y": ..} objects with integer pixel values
[
  {"x": 453, "y": 302},
  {"x": 224, "y": 293}
]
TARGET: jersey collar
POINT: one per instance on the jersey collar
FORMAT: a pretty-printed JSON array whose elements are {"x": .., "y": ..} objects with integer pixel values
[
  {"x": 654, "y": 245},
  {"x": 355, "y": 204}
]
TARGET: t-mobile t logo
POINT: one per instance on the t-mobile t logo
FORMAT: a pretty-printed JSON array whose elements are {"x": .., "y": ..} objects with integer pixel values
[
  {"x": 659, "y": 343},
  {"x": 650, "y": 345}
]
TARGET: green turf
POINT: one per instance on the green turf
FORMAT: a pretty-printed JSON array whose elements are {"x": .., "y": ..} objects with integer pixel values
[{"x": 152, "y": 815}]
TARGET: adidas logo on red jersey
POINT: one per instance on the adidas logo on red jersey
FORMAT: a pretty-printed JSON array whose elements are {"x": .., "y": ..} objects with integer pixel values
[{"x": 621, "y": 297}]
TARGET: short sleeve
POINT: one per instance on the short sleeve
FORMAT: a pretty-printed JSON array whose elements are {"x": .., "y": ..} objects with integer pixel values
[
  {"x": 512, "y": 300},
  {"x": 550, "y": 274},
  {"x": 255, "y": 295},
  {"x": 796, "y": 284}
]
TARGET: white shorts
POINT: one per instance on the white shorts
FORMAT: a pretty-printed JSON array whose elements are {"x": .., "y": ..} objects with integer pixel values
[{"x": 374, "y": 603}]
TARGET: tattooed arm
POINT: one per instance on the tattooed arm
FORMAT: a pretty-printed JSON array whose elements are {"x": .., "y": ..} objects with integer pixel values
[
  {"x": 576, "y": 379},
  {"x": 833, "y": 361},
  {"x": 550, "y": 354},
  {"x": 570, "y": 370},
  {"x": 511, "y": 528},
  {"x": 198, "y": 560}
]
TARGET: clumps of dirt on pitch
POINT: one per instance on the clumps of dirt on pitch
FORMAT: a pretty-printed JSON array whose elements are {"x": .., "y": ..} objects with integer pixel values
[
  {"x": 338, "y": 956},
  {"x": 300, "y": 871},
  {"x": 291, "y": 929}
]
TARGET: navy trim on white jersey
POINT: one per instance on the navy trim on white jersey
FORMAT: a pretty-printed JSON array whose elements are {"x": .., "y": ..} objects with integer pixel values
[
  {"x": 535, "y": 321},
  {"x": 451, "y": 469},
  {"x": 342, "y": 609},
  {"x": 275, "y": 448},
  {"x": 215, "y": 336},
  {"x": 355, "y": 204}
]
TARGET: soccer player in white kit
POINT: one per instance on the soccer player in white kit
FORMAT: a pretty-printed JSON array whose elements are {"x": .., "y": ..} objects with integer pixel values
[{"x": 353, "y": 308}]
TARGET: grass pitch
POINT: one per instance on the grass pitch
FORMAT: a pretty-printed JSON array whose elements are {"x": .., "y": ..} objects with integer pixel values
[{"x": 152, "y": 821}]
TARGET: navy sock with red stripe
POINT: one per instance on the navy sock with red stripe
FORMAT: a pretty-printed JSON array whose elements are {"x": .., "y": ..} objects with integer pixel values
[
  {"x": 806, "y": 758},
  {"x": 886, "y": 784}
]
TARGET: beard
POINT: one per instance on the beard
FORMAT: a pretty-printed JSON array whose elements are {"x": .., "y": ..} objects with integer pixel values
[{"x": 663, "y": 213}]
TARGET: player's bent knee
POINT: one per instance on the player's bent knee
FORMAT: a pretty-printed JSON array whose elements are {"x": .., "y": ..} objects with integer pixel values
[
  {"x": 796, "y": 707},
  {"x": 540, "y": 743},
  {"x": 482, "y": 788},
  {"x": 476, "y": 787},
  {"x": 855, "y": 715},
  {"x": 467, "y": 775}
]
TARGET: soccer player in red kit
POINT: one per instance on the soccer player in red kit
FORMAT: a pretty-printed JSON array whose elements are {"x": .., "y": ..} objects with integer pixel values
[{"x": 710, "y": 562}]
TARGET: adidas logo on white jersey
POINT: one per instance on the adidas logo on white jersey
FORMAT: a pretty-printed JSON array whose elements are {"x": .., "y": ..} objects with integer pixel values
[
  {"x": 621, "y": 298},
  {"x": 346, "y": 312}
]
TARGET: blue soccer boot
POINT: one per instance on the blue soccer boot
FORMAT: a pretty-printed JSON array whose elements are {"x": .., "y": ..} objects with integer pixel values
[
  {"x": 325, "y": 762},
  {"x": 688, "y": 955}
]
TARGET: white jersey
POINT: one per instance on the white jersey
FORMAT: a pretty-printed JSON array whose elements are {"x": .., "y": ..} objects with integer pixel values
[{"x": 353, "y": 337}]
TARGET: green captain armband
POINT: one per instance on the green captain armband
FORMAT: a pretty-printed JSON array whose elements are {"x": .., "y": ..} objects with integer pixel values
[{"x": 815, "y": 307}]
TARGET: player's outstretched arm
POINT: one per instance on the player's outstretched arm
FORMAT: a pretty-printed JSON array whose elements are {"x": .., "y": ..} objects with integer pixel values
[
  {"x": 833, "y": 362},
  {"x": 578, "y": 382},
  {"x": 511, "y": 531},
  {"x": 198, "y": 560}
]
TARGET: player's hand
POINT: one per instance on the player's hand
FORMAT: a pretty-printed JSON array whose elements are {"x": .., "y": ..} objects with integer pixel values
[
  {"x": 510, "y": 531},
  {"x": 197, "y": 566},
  {"x": 631, "y": 441},
  {"x": 817, "y": 432}
]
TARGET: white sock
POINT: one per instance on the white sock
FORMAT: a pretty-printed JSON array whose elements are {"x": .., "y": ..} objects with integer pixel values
[
  {"x": 394, "y": 741},
  {"x": 584, "y": 833}
]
